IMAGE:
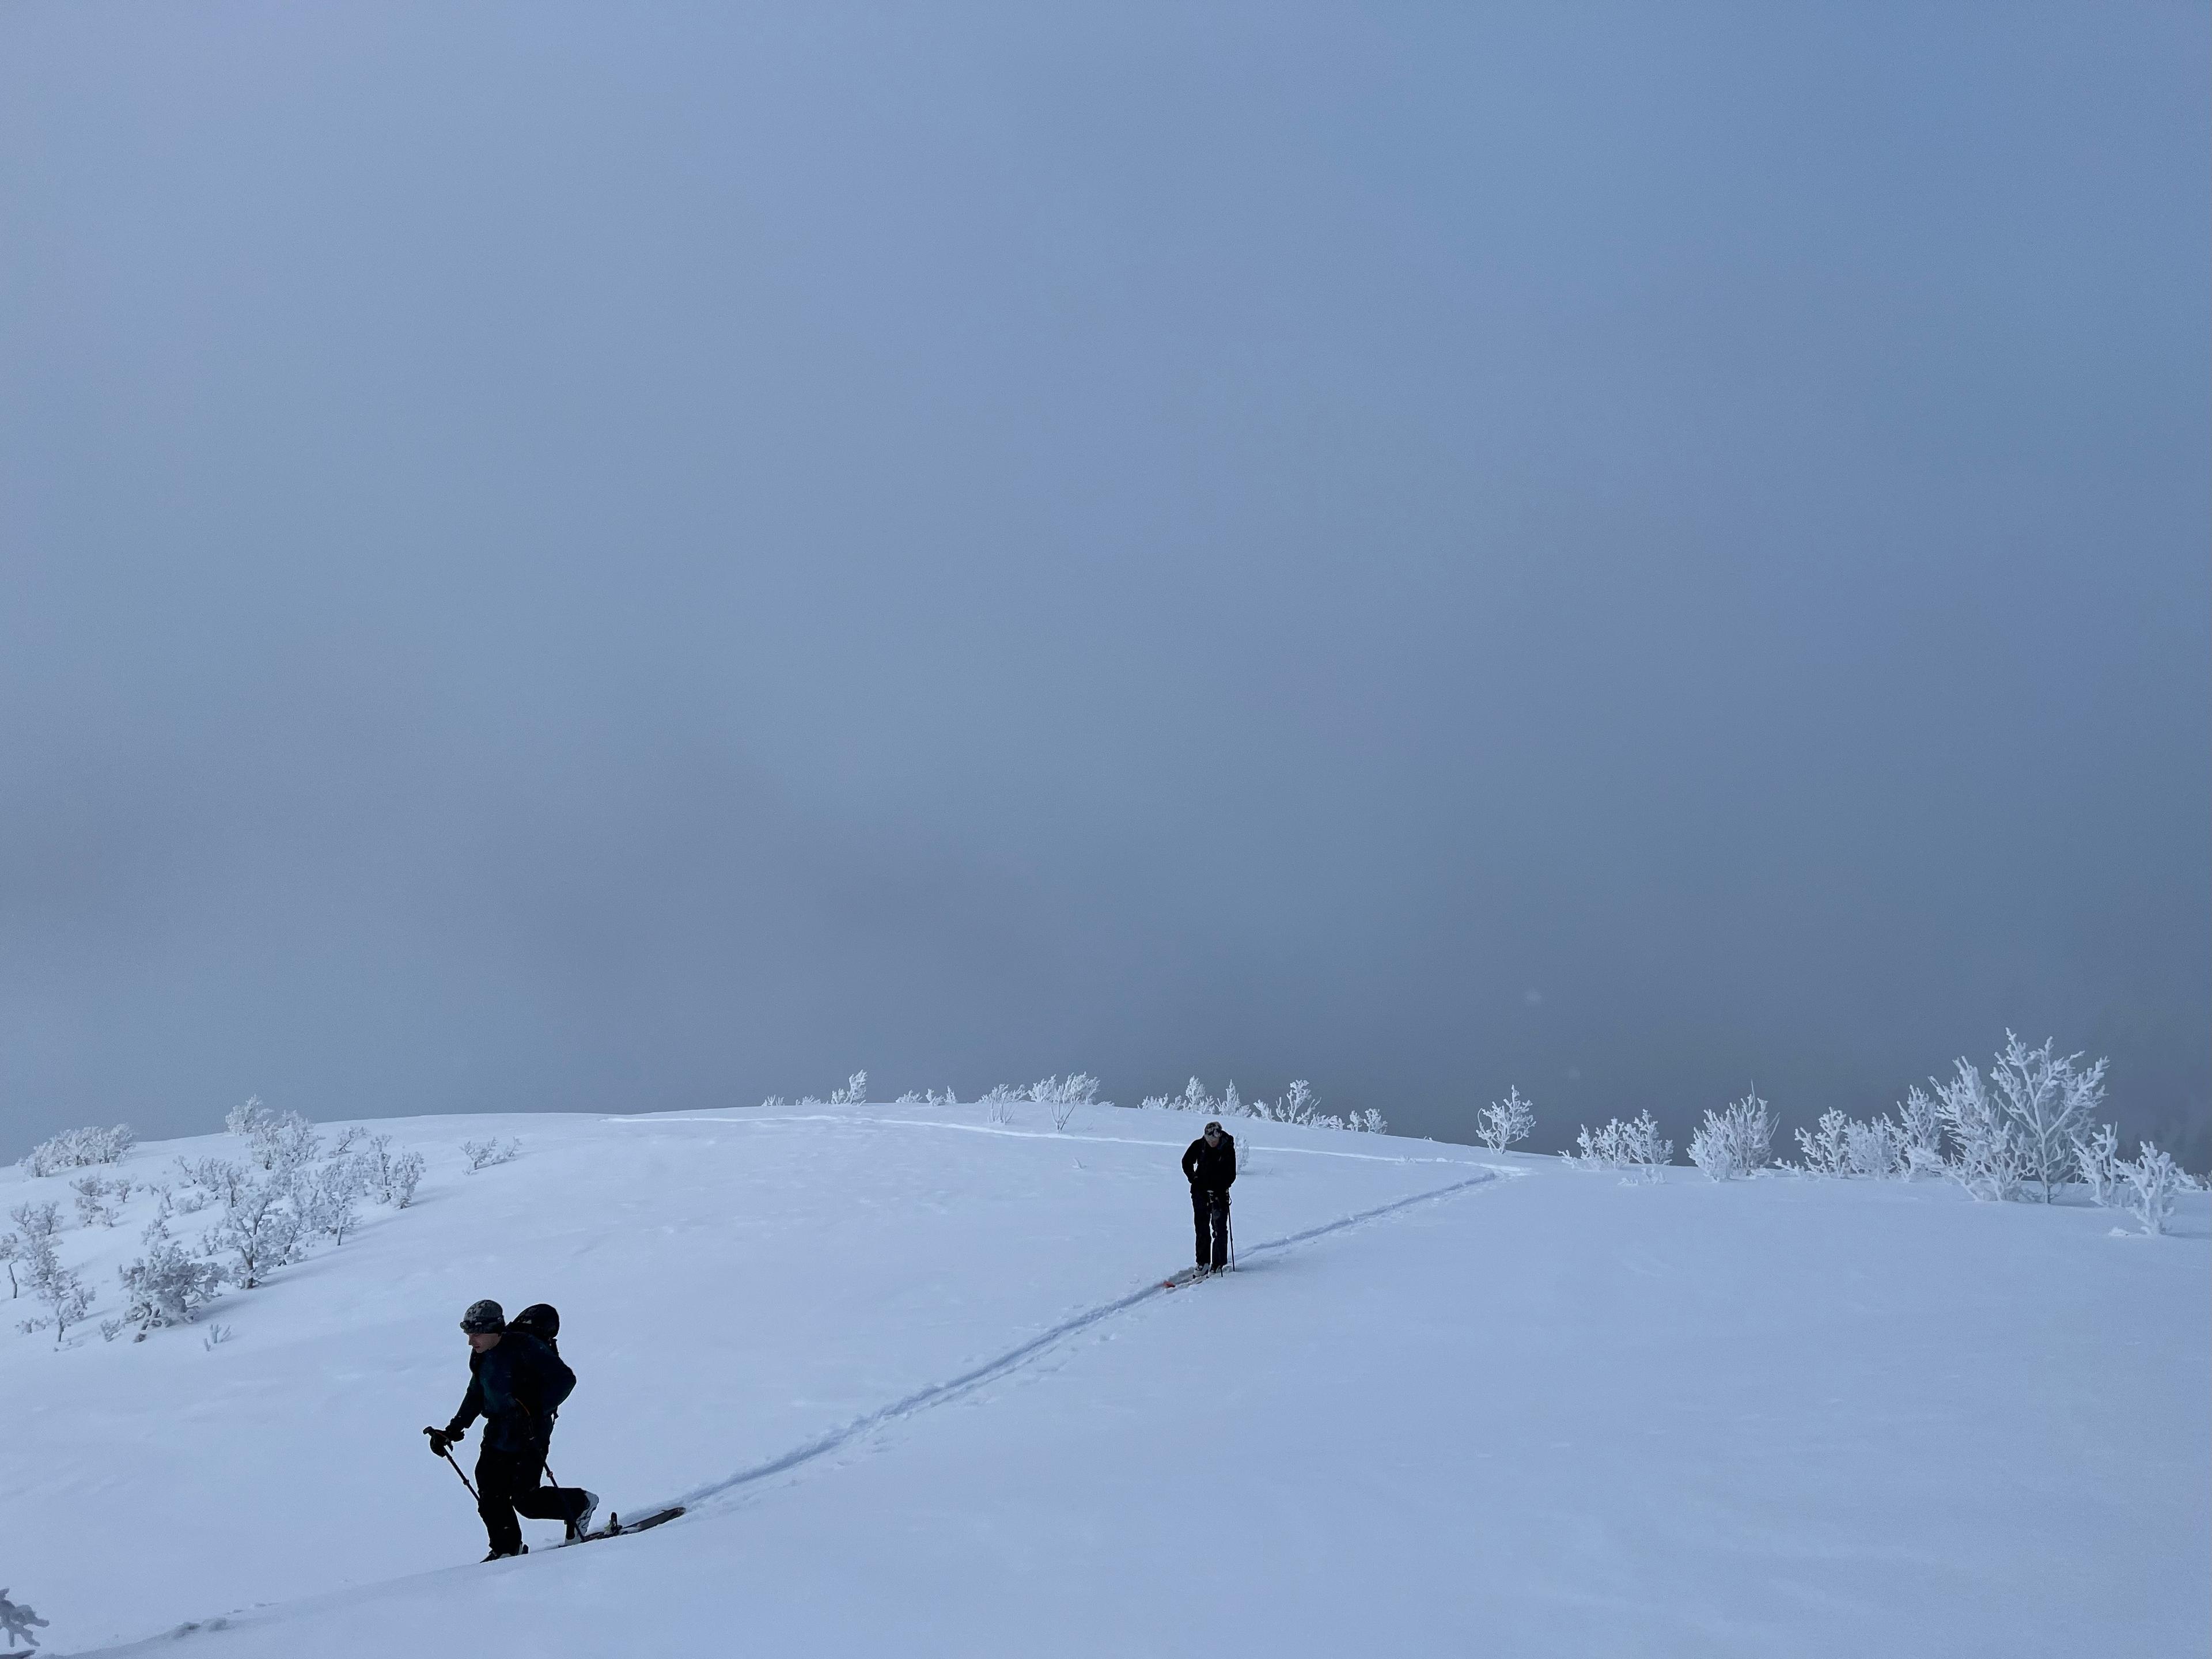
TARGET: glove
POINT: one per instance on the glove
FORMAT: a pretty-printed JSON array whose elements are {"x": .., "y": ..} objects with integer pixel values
[{"x": 442, "y": 1440}]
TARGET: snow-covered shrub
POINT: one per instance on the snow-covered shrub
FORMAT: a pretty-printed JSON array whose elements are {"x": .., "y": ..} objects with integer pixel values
[
  {"x": 99, "y": 1200},
  {"x": 259, "y": 1231},
  {"x": 11, "y": 1251},
  {"x": 1734, "y": 1142},
  {"x": 166, "y": 1286},
  {"x": 218, "y": 1177},
  {"x": 328, "y": 1196},
  {"x": 36, "y": 1221},
  {"x": 482, "y": 1154},
  {"x": 1990, "y": 1162},
  {"x": 854, "y": 1093},
  {"x": 1920, "y": 1132},
  {"x": 66, "y": 1297},
  {"x": 2097, "y": 1159},
  {"x": 77, "y": 1149},
  {"x": 1079, "y": 1088},
  {"x": 1507, "y": 1122},
  {"x": 2050, "y": 1101},
  {"x": 289, "y": 1146},
  {"x": 217, "y": 1334},
  {"x": 1371, "y": 1122},
  {"x": 276, "y": 1141},
  {"x": 1872, "y": 1147},
  {"x": 1061, "y": 1095},
  {"x": 1634, "y": 1147},
  {"x": 1825, "y": 1148},
  {"x": 2154, "y": 1180},
  {"x": 1845, "y": 1145},
  {"x": 392, "y": 1180}
]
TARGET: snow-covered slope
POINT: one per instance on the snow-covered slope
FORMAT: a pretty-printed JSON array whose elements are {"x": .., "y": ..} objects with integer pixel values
[{"x": 913, "y": 1374}]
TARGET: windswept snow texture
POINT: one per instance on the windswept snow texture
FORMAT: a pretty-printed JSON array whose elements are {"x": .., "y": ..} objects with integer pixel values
[{"x": 917, "y": 1378}]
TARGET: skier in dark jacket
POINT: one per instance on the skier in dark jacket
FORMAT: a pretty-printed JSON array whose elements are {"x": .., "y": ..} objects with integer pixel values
[
  {"x": 516, "y": 1384},
  {"x": 1209, "y": 1163}
]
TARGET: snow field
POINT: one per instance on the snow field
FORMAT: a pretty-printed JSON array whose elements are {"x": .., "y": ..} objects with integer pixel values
[{"x": 1544, "y": 1414}]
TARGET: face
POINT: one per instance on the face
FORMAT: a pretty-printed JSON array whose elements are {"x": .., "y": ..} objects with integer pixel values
[
  {"x": 1212, "y": 1137},
  {"x": 484, "y": 1341}
]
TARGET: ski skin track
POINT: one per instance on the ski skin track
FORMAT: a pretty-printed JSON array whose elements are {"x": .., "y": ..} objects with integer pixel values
[{"x": 694, "y": 1501}]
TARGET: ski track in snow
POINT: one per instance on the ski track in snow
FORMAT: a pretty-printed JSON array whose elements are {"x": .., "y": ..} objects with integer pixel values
[{"x": 937, "y": 1393}]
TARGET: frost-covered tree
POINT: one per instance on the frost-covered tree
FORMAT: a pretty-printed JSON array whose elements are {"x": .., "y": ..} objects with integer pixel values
[
  {"x": 76, "y": 1149},
  {"x": 1507, "y": 1122},
  {"x": 2154, "y": 1181},
  {"x": 246, "y": 1120},
  {"x": 2051, "y": 1100},
  {"x": 854, "y": 1093},
  {"x": 391, "y": 1177},
  {"x": 328, "y": 1196},
  {"x": 219, "y": 1178},
  {"x": 62, "y": 1290},
  {"x": 36, "y": 1221},
  {"x": 11, "y": 1251},
  {"x": 1369, "y": 1121},
  {"x": 1841, "y": 1144},
  {"x": 2097, "y": 1159},
  {"x": 259, "y": 1231},
  {"x": 166, "y": 1286},
  {"x": 1735, "y": 1141},
  {"x": 99, "y": 1200},
  {"x": 482, "y": 1154},
  {"x": 1634, "y": 1146},
  {"x": 1992, "y": 1162},
  {"x": 1920, "y": 1132},
  {"x": 1061, "y": 1095},
  {"x": 277, "y": 1141}
]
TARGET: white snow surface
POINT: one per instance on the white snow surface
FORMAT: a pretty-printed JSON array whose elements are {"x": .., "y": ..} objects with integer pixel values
[{"x": 915, "y": 1377}]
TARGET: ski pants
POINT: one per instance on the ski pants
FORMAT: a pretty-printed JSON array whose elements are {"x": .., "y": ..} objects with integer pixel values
[
  {"x": 507, "y": 1485},
  {"x": 1209, "y": 1214}
]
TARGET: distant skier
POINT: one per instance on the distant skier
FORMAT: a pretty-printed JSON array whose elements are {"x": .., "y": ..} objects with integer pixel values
[
  {"x": 516, "y": 1384},
  {"x": 1209, "y": 1163}
]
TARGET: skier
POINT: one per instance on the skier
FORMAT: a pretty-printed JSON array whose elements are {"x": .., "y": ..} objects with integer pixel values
[
  {"x": 1209, "y": 1163},
  {"x": 516, "y": 1384}
]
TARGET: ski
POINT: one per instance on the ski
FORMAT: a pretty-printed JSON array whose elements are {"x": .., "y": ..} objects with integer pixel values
[
  {"x": 1188, "y": 1275},
  {"x": 618, "y": 1527}
]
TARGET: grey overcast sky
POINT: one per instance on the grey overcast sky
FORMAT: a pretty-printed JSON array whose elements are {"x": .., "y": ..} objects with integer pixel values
[{"x": 607, "y": 557}]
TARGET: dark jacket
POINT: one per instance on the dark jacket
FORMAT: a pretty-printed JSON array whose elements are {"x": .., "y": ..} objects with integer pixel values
[
  {"x": 515, "y": 1388},
  {"x": 1211, "y": 1169}
]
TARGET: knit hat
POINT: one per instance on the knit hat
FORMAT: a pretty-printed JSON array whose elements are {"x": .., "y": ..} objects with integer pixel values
[{"x": 483, "y": 1317}]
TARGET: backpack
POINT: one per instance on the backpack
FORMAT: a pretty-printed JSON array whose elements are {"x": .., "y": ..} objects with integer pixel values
[{"x": 541, "y": 1320}]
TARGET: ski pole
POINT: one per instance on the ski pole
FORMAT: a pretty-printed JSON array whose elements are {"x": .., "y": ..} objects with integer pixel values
[
  {"x": 1232, "y": 1241},
  {"x": 448, "y": 1457}
]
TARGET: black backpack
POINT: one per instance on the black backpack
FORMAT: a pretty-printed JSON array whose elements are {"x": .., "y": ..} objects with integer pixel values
[{"x": 541, "y": 1320}]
